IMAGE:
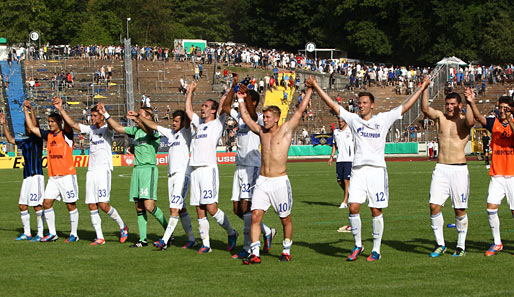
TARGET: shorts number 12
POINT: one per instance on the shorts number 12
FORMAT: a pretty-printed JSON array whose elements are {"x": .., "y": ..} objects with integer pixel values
[{"x": 380, "y": 196}]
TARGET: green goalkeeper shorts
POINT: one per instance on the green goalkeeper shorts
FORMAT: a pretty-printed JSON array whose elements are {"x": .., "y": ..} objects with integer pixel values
[{"x": 143, "y": 184}]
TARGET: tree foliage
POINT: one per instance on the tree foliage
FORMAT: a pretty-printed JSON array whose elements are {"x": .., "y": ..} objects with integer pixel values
[{"x": 397, "y": 31}]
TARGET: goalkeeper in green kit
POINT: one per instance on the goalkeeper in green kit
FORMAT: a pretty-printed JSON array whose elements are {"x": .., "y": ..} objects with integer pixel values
[{"x": 143, "y": 185}]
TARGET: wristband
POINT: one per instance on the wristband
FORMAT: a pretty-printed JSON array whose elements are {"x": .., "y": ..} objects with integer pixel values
[
  {"x": 240, "y": 100},
  {"x": 106, "y": 115}
]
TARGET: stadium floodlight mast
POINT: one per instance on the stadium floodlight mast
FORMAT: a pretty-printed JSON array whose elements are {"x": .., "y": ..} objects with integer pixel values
[{"x": 128, "y": 20}]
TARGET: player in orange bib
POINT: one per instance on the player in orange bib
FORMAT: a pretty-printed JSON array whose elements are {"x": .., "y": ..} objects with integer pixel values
[
  {"x": 502, "y": 165},
  {"x": 62, "y": 179}
]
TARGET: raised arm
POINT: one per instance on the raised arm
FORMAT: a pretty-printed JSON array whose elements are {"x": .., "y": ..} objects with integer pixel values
[
  {"x": 31, "y": 126},
  {"x": 312, "y": 83},
  {"x": 424, "y": 104},
  {"x": 148, "y": 124},
  {"x": 245, "y": 115},
  {"x": 230, "y": 95},
  {"x": 110, "y": 121},
  {"x": 249, "y": 102},
  {"x": 7, "y": 134},
  {"x": 137, "y": 118},
  {"x": 469, "y": 95},
  {"x": 57, "y": 102},
  {"x": 297, "y": 116},
  {"x": 189, "y": 99}
]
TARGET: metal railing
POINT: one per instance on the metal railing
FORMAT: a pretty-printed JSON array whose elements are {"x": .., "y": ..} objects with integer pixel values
[{"x": 438, "y": 80}]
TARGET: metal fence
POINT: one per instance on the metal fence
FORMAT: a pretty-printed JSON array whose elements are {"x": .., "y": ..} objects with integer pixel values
[{"x": 438, "y": 80}]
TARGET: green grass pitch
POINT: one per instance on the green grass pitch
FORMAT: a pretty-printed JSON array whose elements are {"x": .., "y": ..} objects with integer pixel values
[{"x": 318, "y": 265}]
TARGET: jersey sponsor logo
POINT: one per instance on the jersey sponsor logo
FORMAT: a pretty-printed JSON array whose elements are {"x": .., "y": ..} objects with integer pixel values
[
  {"x": 56, "y": 156},
  {"x": 176, "y": 143},
  {"x": 198, "y": 136},
  {"x": 362, "y": 133},
  {"x": 503, "y": 152},
  {"x": 97, "y": 142}
]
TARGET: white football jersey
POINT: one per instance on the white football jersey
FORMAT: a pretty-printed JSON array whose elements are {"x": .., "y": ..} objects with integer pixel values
[
  {"x": 248, "y": 143},
  {"x": 344, "y": 142},
  {"x": 178, "y": 154},
  {"x": 205, "y": 140},
  {"x": 370, "y": 136},
  {"x": 100, "y": 146}
]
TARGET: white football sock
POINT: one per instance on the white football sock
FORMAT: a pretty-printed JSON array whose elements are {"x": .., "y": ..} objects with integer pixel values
[
  {"x": 203, "y": 227},
  {"x": 265, "y": 229},
  {"x": 113, "y": 214},
  {"x": 255, "y": 248},
  {"x": 247, "y": 219},
  {"x": 287, "y": 243},
  {"x": 97, "y": 223},
  {"x": 50, "y": 220},
  {"x": 461, "y": 224},
  {"x": 39, "y": 219},
  {"x": 185, "y": 220},
  {"x": 437, "y": 226},
  {"x": 172, "y": 223},
  {"x": 378, "y": 231},
  {"x": 494, "y": 222},
  {"x": 25, "y": 221},
  {"x": 74, "y": 221},
  {"x": 222, "y": 220},
  {"x": 355, "y": 223}
]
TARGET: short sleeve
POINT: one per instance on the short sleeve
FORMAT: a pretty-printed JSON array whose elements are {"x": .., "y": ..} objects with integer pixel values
[
  {"x": 195, "y": 121},
  {"x": 44, "y": 133},
  {"x": 84, "y": 129},
  {"x": 131, "y": 131},
  {"x": 393, "y": 115},
  {"x": 260, "y": 119},
  {"x": 165, "y": 132},
  {"x": 490, "y": 123},
  {"x": 345, "y": 115},
  {"x": 234, "y": 114}
]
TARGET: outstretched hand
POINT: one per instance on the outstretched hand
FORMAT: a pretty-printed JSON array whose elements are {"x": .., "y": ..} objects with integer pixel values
[
  {"x": 2, "y": 119},
  {"x": 191, "y": 87},
  {"x": 426, "y": 82},
  {"x": 235, "y": 79},
  {"x": 243, "y": 88},
  {"x": 101, "y": 108},
  {"x": 469, "y": 95},
  {"x": 27, "y": 105},
  {"x": 311, "y": 82},
  {"x": 132, "y": 114},
  {"x": 57, "y": 103}
]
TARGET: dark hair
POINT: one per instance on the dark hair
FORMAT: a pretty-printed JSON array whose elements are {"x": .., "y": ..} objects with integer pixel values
[
  {"x": 57, "y": 117},
  {"x": 179, "y": 113},
  {"x": 255, "y": 96},
  {"x": 94, "y": 109},
  {"x": 367, "y": 94},
  {"x": 215, "y": 104},
  {"x": 506, "y": 99},
  {"x": 453, "y": 95},
  {"x": 149, "y": 111}
]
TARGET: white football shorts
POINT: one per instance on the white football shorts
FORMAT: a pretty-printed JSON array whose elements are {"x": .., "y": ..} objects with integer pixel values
[
  {"x": 98, "y": 186},
  {"x": 178, "y": 183},
  {"x": 369, "y": 182},
  {"x": 244, "y": 182},
  {"x": 204, "y": 185},
  {"x": 499, "y": 187},
  {"x": 32, "y": 190},
  {"x": 450, "y": 181},
  {"x": 275, "y": 192},
  {"x": 62, "y": 188}
]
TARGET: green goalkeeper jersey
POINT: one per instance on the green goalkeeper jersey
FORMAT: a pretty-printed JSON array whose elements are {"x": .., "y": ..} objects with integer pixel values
[{"x": 145, "y": 146}]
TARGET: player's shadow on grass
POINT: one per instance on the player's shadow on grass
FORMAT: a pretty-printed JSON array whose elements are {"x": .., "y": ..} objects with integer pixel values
[
  {"x": 333, "y": 249},
  {"x": 425, "y": 246},
  {"x": 321, "y": 203}
]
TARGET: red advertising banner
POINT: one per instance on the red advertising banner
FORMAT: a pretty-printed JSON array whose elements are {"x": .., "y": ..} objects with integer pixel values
[{"x": 162, "y": 159}]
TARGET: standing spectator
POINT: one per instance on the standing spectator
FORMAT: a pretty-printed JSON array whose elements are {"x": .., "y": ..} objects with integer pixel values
[{"x": 431, "y": 149}]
